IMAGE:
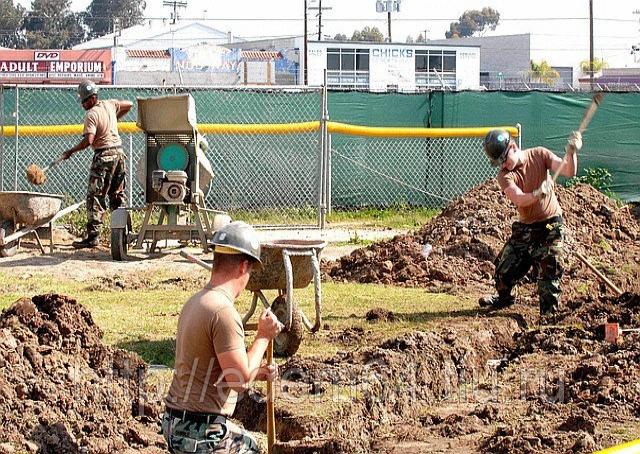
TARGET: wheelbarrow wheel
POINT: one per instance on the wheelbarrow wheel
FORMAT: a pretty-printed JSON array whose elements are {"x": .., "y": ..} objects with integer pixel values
[
  {"x": 119, "y": 244},
  {"x": 287, "y": 342},
  {"x": 7, "y": 228}
]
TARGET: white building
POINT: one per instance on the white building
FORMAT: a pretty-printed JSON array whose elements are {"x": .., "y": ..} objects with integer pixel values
[{"x": 402, "y": 67}]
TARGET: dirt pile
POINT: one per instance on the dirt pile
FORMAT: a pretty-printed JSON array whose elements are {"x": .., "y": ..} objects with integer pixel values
[
  {"x": 369, "y": 390},
  {"x": 63, "y": 390},
  {"x": 455, "y": 251}
]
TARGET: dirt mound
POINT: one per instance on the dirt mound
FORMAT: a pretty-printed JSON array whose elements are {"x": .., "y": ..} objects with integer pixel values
[
  {"x": 379, "y": 314},
  {"x": 62, "y": 390},
  {"x": 469, "y": 233}
]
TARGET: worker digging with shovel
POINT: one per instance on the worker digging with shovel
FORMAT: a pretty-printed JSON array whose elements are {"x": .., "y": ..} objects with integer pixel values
[
  {"x": 537, "y": 238},
  {"x": 212, "y": 364},
  {"x": 107, "y": 173}
]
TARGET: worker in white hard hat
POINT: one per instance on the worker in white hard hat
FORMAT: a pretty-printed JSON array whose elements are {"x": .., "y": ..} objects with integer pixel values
[{"x": 212, "y": 364}]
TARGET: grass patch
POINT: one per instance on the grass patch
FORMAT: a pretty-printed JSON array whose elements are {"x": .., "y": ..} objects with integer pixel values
[
  {"x": 144, "y": 320},
  {"x": 397, "y": 217}
]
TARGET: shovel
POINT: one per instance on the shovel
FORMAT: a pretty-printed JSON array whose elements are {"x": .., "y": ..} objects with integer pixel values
[{"x": 36, "y": 175}]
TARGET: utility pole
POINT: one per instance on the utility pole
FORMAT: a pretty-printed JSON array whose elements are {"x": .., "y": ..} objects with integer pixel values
[
  {"x": 591, "y": 44},
  {"x": 320, "y": 9},
  {"x": 175, "y": 4},
  {"x": 387, "y": 6},
  {"x": 306, "y": 39}
]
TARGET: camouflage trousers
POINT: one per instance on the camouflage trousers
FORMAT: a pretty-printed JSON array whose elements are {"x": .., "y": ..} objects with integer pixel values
[
  {"x": 106, "y": 180},
  {"x": 218, "y": 436},
  {"x": 539, "y": 245}
]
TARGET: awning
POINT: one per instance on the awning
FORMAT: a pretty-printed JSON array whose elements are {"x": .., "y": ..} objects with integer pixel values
[
  {"x": 260, "y": 55},
  {"x": 148, "y": 53}
]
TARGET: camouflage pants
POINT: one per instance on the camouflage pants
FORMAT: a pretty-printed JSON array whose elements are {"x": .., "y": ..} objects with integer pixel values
[
  {"x": 106, "y": 179},
  {"x": 541, "y": 245},
  {"x": 219, "y": 436}
]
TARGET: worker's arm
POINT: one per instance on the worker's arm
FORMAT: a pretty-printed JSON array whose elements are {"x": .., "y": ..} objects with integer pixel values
[
  {"x": 86, "y": 141},
  {"x": 519, "y": 198},
  {"x": 124, "y": 108},
  {"x": 239, "y": 367},
  {"x": 570, "y": 168}
]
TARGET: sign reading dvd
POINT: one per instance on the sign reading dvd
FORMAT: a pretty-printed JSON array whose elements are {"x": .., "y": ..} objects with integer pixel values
[{"x": 55, "y": 66}]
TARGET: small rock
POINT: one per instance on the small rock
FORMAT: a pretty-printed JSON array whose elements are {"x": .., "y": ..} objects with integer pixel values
[
  {"x": 7, "y": 448},
  {"x": 7, "y": 341},
  {"x": 584, "y": 443}
]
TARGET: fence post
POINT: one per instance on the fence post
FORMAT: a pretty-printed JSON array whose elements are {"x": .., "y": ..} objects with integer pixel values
[
  {"x": 130, "y": 170},
  {"x": 1, "y": 137},
  {"x": 327, "y": 152},
  {"x": 15, "y": 160},
  {"x": 321, "y": 167}
]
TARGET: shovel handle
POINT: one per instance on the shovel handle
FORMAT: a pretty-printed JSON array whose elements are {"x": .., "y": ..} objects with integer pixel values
[
  {"x": 271, "y": 409},
  {"x": 53, "y": 163}
]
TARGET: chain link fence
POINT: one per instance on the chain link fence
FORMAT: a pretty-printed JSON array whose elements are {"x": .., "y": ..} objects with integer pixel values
[
  {"x": 404, "y": 172},
  {"x": 271, "y": 173},
  {"x": 265, "y": 178}
]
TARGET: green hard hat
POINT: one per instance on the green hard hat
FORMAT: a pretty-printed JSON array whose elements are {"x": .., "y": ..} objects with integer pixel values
[
  {"x": 496, "y": 146},
  {"x": 87, "y": 89}
]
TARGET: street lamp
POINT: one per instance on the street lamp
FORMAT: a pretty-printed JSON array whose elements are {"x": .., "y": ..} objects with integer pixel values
[{"x": 387, "y": 6}]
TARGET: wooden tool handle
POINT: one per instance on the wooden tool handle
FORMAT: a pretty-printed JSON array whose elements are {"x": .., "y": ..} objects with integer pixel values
[
  {"x": 271, "y": 410},
  {"x": 604, "y": 278},
  {"x": 586, "y": 119}
]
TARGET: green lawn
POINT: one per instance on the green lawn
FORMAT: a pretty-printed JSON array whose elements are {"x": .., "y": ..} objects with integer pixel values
[{"x": 144, "y": 319}]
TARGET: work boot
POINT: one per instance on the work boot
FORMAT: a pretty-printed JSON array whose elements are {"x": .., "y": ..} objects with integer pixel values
[
  {"x": 496, "y": 301},
  {"x": 88, "y": 242}
]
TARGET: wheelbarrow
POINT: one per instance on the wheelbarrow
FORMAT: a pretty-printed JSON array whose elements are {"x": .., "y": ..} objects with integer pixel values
[
  {"x": 24, "y": 213},
  {"x": 286, "y": 265}
]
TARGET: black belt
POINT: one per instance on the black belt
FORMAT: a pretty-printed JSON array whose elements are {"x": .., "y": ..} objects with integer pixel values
[
  {"x": 205, "y": 418},
  {"x": 543, "y": 224},
  {"x": 100, "y": 150}
]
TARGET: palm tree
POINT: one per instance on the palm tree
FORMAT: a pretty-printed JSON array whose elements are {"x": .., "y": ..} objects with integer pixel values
[{"x": 543, "y": 73}]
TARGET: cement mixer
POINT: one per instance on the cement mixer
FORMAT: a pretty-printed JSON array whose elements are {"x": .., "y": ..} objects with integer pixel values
[{"x": 174, "y": 174}]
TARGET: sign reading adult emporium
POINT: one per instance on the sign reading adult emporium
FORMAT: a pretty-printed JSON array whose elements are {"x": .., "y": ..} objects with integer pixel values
[{"x": 54, "y": 66}]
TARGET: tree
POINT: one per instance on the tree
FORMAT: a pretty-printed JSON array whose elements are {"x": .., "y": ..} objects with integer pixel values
[
  {"x": 421, "y": 39},
  {"x": 410, "y": 39},
  {"x": 543, "y": 73},
  {"x": 598, "y": 65},
  {"x": 472, "y": 22},
  {"x": 368, "y": 34},
  {"x": 103, "y": 16},
  {"x": 340, "y": 37},
  {"x": 11, "y": 17},
  {"x": 52, "y": 25}
]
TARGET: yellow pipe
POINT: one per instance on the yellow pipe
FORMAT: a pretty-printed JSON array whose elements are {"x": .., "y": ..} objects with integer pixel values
[
  {"x": 633, "y": 447},
  {"x": 398, "y": 132},
  {"x": 276, "y": 128},
  {"x": 59, "y": 130}
]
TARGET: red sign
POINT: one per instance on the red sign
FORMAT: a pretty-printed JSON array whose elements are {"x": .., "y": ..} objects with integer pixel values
[{"x": 55, "y": 66}]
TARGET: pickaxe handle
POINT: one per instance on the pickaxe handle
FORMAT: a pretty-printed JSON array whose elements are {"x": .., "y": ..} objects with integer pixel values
[
  {"x": 604, "y": 278},
  {"x": 586, "y": 119}
]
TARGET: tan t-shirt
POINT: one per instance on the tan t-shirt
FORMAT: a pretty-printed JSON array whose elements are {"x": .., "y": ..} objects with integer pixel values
[
  {"x": 102, "y": 121},
  {"x": 208, "y": 325},
  {"x": 528, "y": 176}
]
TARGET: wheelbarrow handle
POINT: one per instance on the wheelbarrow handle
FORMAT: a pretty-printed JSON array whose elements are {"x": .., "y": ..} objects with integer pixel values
[{"x": 195, "y": 260}]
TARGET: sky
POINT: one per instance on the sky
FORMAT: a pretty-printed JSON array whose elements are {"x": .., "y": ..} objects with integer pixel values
[{"x": 559, "y": 28}]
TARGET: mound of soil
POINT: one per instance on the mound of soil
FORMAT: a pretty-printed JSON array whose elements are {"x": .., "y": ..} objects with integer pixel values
[
  {"x": 63, "y": 391},
  {"x": 470, "y": 232}
]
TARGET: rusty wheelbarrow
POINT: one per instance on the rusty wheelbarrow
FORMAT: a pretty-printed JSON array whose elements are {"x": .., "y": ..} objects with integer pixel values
[
  {"x": 23, "y": 213},
  {"x": 286, "y": 265}
]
